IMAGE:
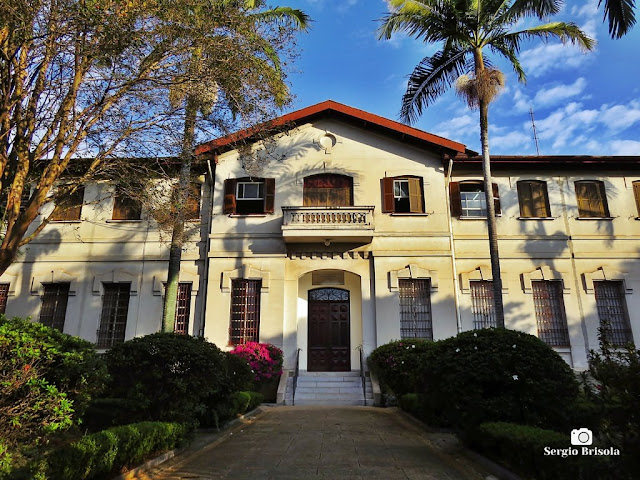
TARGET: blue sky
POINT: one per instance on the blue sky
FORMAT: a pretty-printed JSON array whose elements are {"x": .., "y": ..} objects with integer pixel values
[{"x": 583, "y": 103}]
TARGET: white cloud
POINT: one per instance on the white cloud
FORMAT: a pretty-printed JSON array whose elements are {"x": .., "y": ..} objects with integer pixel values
[
  {"x": 559, "y": 93},
  {"x": 540, "y": 60},
  {"x": 511, "y": 141},
  {"x": 625, "y": 147},
  {"x": 452, "y": 127},
  {"x": 619, "y": 117},
  {"x": 589, "y": 9}
]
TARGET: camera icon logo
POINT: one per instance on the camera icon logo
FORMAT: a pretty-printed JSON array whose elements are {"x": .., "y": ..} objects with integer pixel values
[{"x": 581, "y": 436}]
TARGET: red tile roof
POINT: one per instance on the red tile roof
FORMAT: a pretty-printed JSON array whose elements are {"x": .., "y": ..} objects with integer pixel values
[{"x": 330, "y": 107}]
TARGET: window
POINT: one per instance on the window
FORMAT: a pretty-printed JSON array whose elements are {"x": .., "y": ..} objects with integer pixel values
[
  {"x": 245, "y": 311},
  {"x": 636, "y": 194},
  {"x": 550, "y": 314},
  {"x": 533, "y": 199},
  {"x": 328, "y": 190},
  {"x": 4, "y": 294},
  {"x": 246, "y": 196},
  {"x": 125, "y": 207},
  {"x": 183, "y": 309},
  {"x": 468, "y": 200},
  {"x": 54, "y": 305},
  {"x": 612, "y": 311},
  {"x": 482, "y": 304},
  {"x": 402, "y": 195},
  {"x": 592, "y": 199},
  {"x": 113, "y": 320},
  {"x": 70, "y": 207},
  {"x": 415, "y": 308}
]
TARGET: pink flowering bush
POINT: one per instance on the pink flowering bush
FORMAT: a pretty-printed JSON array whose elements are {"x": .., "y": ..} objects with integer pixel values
[{"x": 264, "y": 359}]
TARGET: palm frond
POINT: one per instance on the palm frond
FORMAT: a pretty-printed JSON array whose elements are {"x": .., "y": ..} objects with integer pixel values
[
  {"x": 431, "y": 78},
  {"x": 621, "y": 16},
  {"x": 538, "y": 8},
  {"x": 506, "y": 50},
  {"x": 430, "y": 21},
  {"x": 293, "y": 16},
  {"x": 565, "y": 32}
]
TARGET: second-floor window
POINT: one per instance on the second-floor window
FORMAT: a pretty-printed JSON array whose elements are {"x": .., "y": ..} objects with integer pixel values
[
  {"x": 125, "y": 207},
  {"x": 402, "y": 195},
  {"x": 636, "y": 194},
  {"x": 592, "y": 199},
  {"x": 69, "y": 208},
  {"x": 249, "y": 196},
  {"x": 533, "y": 199},
  {"x": 468, "y": 199},
  {"x": 327, "y": 190}
]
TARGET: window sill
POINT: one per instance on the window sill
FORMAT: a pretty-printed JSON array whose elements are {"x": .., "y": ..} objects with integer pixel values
[
  {"x": 123, "y": 221},
  {"x": 409, "y": 214},
  {"x": 595, "y": 218},
  {"x": 536, "y": 218},
  {"x": 242, "y": 215},
  {"x": 65, "y": 221},
  {"x": 476, "y": 218}
]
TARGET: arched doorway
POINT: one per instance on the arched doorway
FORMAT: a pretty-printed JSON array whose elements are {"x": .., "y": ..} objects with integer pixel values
[{"x": 329, "y": 327}]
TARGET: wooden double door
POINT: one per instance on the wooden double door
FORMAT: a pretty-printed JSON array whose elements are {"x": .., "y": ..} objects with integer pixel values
[{"x": 329, "y": 324}]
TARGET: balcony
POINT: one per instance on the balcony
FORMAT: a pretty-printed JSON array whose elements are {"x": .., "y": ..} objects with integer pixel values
[{"x": 327, "y": 224}]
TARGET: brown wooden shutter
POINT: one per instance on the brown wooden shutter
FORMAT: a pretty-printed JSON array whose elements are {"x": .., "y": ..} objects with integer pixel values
[
  {"x": 70, "y": 208},
  {"x": 388, "y": 202},
  {"x": 269, "y": 195},
  {"x": 415, "y": 196},
  {"x": 454, "y": 199},
  {"x": 524, "y": 199},
  {"x": 496, "y": 198},
  {"x": 636, "y": 193},
  {"x": 582, "y": 197},
  {"x": 540, "y": 199},
  {"x": 603, "y": 207},
  {"x": 230, "y": 195}
]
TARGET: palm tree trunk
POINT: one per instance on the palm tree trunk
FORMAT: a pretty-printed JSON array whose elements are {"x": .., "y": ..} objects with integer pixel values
[
  {"x": 491, "y": 213},
  {"x": 177, "y": 234}
]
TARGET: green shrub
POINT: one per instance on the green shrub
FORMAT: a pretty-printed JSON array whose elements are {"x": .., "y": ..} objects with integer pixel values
[
  {"x": 400, "y": 365},
  {"x": 499, "y": 375},
  {"x": 105, "y": 453},
  {"x": 47, "y": 379},
  {"x": 168, "y": 377},
  {"x": 238, "y": 372},
  {"x": 521, "y": 448},
  {"x": 612, "y": 385},
  {"x": 244, "y": 402}
]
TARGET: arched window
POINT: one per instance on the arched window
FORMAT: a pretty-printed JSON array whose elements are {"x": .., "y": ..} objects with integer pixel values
[{"x": 328, "y": 190}]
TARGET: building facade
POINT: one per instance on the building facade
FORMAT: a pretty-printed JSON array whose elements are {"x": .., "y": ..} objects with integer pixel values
[{"x": 345, "y": 231}]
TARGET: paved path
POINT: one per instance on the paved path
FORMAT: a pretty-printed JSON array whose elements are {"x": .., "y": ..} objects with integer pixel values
[{"x": 322, "y": 443}]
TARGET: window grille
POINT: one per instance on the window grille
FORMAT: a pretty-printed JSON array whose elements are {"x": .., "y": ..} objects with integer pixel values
[
  {"x": 612, "y": 311},
  {"x": 4, "y": 294},
  {"x": 183, "y": 309},
  {"x": 113, "y": 320},
  {"x": 482, "y": 304},
  {"x": 54, "y": 305},
  {"x": 415, "y": 308},
  {"x": 245, "y": 311},
  {"x": 550, "y": 314}
]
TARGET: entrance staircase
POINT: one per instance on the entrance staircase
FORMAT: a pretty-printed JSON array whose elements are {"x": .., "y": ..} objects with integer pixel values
[{"x": 329, "y": 388}]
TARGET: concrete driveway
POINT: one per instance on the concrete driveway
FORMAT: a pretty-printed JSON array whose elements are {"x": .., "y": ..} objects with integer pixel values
[{"x": 323, "y": 442}]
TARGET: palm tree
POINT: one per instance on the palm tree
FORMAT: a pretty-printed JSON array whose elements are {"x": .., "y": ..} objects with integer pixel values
[
  {"x": 621, "y": 16},
  {"x": 257, "y": 66},
  {"x": 466, "y": 27}
]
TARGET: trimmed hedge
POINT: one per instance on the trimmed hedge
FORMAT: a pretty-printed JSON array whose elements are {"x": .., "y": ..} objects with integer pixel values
[
  {"x": 522, "y": 449},
  {"x": 400, "y": 365},
  {"x": 105, "y": 453}
]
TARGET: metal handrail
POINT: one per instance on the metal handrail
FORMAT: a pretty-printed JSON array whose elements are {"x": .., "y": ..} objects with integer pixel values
[
  {"x": 295, "y": 377},
  {"x": 362, "y": 376}
]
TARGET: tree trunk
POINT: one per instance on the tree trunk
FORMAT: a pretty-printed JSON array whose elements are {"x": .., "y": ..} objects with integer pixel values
[
  {"x": 491, "y": 213},
  {"x": 177, "y": 234}
]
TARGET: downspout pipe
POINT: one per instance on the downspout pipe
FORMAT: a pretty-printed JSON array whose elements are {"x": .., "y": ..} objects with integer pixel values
[
  {"x": 212, "y": 184},
  {"x": 456, "y": 286}
]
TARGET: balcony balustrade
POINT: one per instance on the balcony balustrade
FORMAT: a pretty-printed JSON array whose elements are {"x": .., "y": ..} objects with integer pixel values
[{"x": 328, "y": 224}]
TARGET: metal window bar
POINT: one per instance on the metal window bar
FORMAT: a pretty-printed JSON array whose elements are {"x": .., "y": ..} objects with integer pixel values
[
  {"x": 245, "y": 311},
  {"x": 482, "y": 304},
  {"x": 415, "y": 308},
  {"x": 183, "y": 309},
  {"x": 54, "y": 305},
  {"x": 550, "y": 313},
  {"x": 4, "y": 294},
  {"x": 113, "y": 320},
  {"x": 612, "y": 311}
]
